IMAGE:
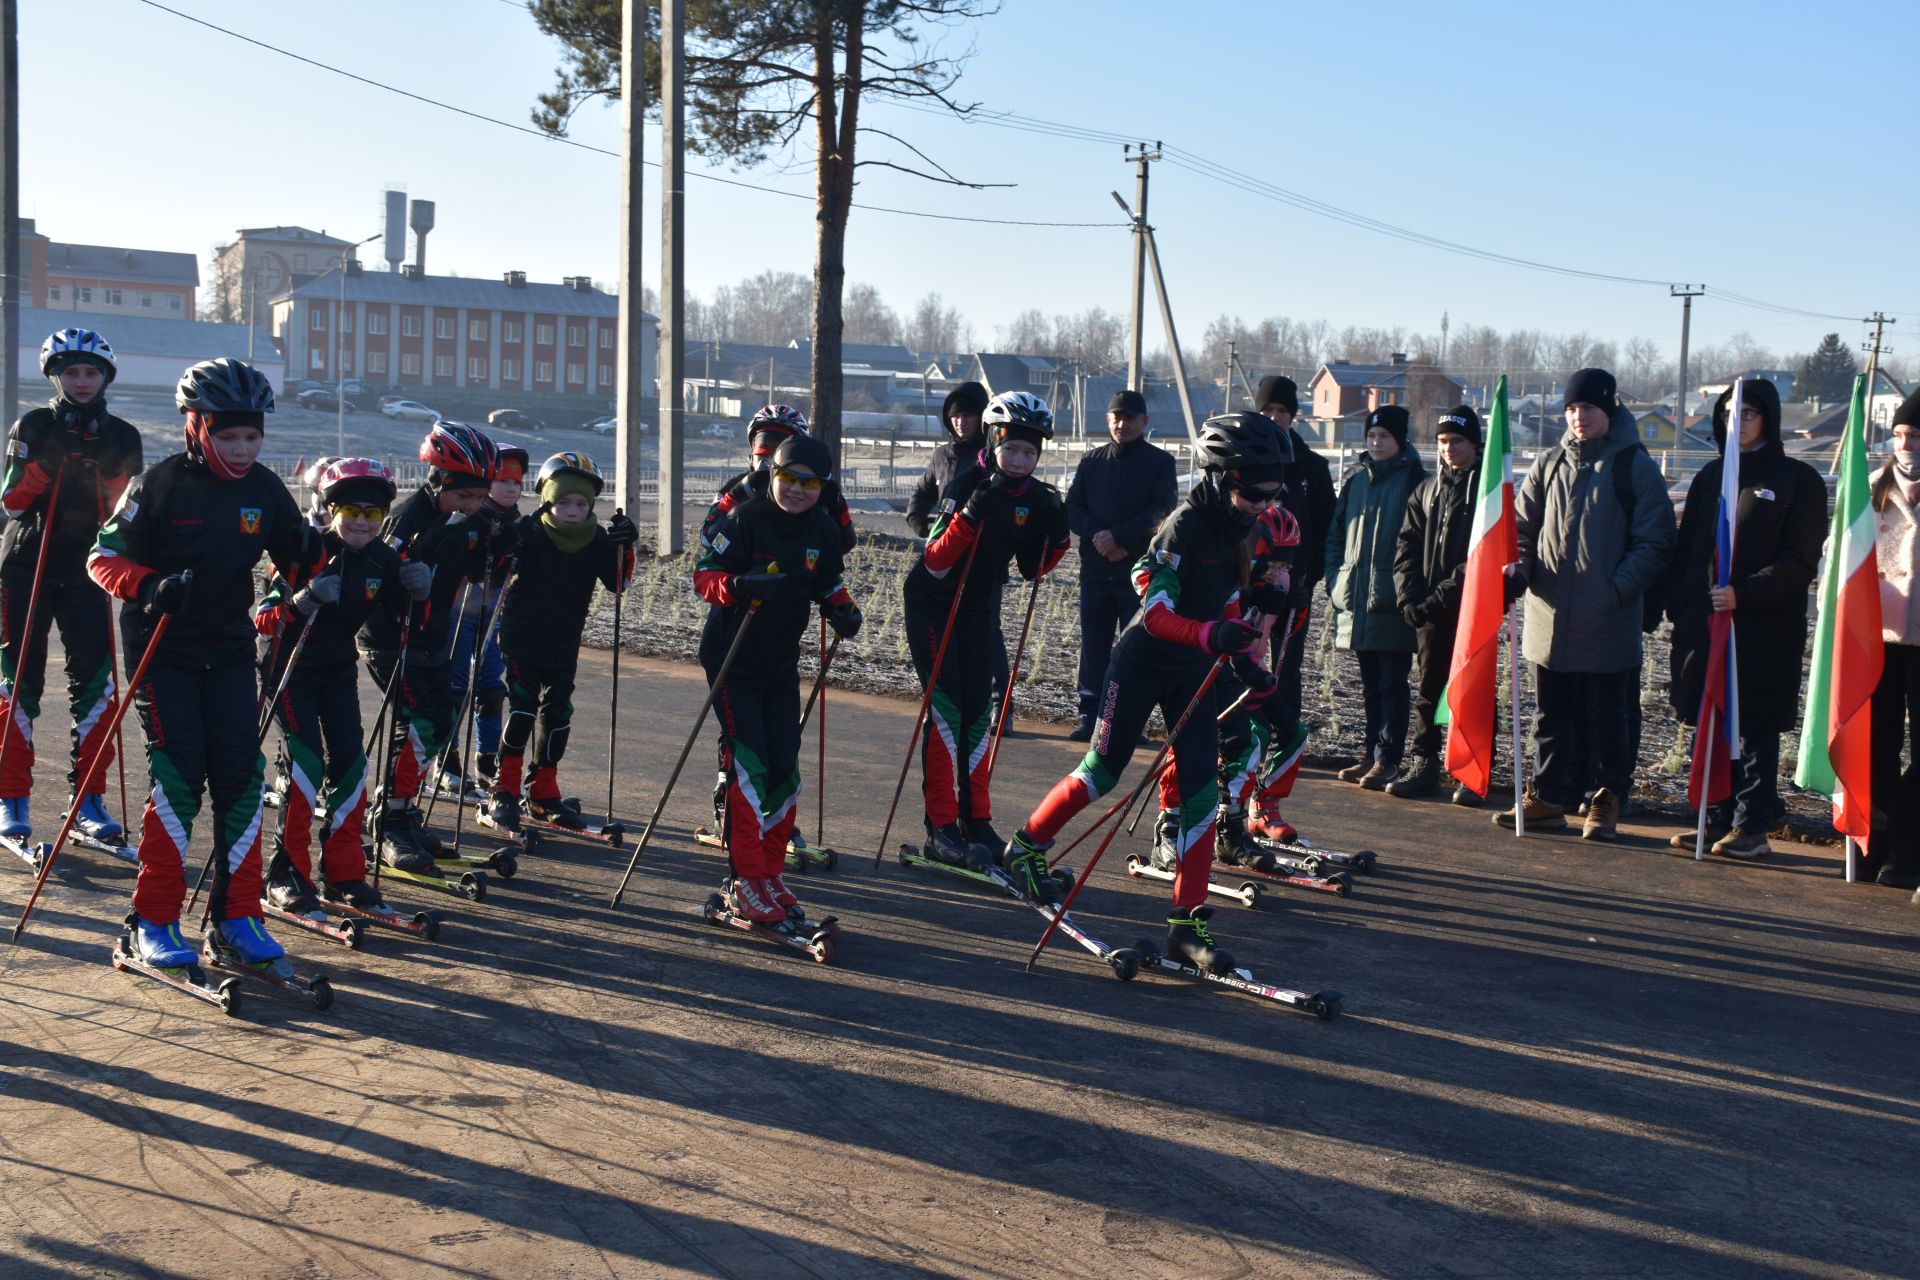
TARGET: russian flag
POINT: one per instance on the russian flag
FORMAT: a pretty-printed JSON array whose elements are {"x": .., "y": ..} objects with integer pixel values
[{"x": 1717, "y": 738}]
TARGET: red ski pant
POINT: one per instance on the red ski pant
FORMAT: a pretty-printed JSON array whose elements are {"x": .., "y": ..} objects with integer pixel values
[
  {"x": 959, "y": 729},
  {"x": 200, "y": 738},
  {"x": 321, "y": 724},
  {"x": 80, "y": 608},
  {"x": 760, "y": 727}
]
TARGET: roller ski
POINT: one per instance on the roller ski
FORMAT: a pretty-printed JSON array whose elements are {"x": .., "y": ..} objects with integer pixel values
[
  {"x": 160, "y": 953},
  {"x": 1246, "y": 893},
  {"x": 1234, "y": 846},
  {"x": 1190, "y": 952},
  {"x": 360, "y": 901},
  {"x": 502, "y": 814},
  {"x": 948, "y": 850},
  {"x": 564, "y": 816},
  {"x": 801, "y": 856},
  {"x": 16, "y": 832},
  {"x": 400, "y": 859},
  {"x": 449, "y": 785},
  {"x": 289, "y": 897},
  {"x": 753, "y": 905},
  {"x": 94, "y": 828},
  {"x": 1278, "y": 836},
  {"x": 245, "y": 948}
]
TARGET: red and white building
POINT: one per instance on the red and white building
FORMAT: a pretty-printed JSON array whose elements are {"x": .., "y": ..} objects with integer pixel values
[{"x": 104, "y": 279}]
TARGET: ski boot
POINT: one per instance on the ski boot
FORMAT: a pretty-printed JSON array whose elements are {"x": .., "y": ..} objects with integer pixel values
[
  {"x": 94, "y": 822},
  {"x": 290, "y": 891},
  {"x": 14, "y": 823},
  {"x": 503, "y": 811},
  {"x": 1190, "y": 940},
  {"x": 359, "y": 895},
  {"x": 1165, "y": 854},
  {"x": 783, "y": 897},
  {"x": 486, "y": 767},
  {"x": 1026, "y": 864},
  {"x": 949, "y": 844},
  {"x": 987, "y": 843},
  {"x": 720, "y": 801},
  {"x": 160, "y": 946},
  {"x": 398, "y": 848},
  {"x": 1265, "y": 823},
  {"x": 557, "y": 812},
  {"x": 751, "y": 898},
  {"x": 254, "y": 947},
  {"x": 1233, "y": 847}
]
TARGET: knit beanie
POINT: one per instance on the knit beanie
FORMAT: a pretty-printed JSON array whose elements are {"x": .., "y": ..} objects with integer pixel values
[
  {"x": 1460, "y": 420},
  {"x": 564, "y": 484},
  {"x": 1591, "y": 386},
  {"x": 1908, "y": 414},
  {"x": 1275, "y": 389},
  {"x": 1392, "y": 418}
]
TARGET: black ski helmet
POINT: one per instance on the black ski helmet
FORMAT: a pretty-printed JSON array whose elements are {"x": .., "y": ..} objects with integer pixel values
[{"x": 1245, "y": 445}]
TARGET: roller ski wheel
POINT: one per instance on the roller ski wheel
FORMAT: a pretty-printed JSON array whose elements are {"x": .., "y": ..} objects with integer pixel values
[
  {"x": 1325, "y": 1005},
  {"x": 503, "y": 862},
  {"x": 819, "y": 941},
  {"x": 1246, "y": 893},
  {"x": 1295, "y": 873},
  {"x": 471, "y": 885},
  {"x": 524, "y": 841},
  {"x": 189, "y": 979},
  {"x": 28, "y": 851},
  {"x": 278, "y": 975},
  {"x": 803, "y": 857},
  {"x": 1365, "y": 861},
  {"x": 347, "y": 932},
  {"x": 421, "y": 924}
]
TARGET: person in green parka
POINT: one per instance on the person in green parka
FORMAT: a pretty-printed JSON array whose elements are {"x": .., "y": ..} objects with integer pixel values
[{"x": 1359, "y": 580}]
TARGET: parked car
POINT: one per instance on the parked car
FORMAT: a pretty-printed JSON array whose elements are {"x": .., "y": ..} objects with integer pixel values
[
  {"x": 718, "y": 431},
  {"x": 387, "y": 400},
  {"x": 601, "y": 426},
  {"x": 410, "y": 411},
  {"x": 351, "y": 387},
  {"x": 512, "y": 420},
  {"x": 322, "y": 398}
]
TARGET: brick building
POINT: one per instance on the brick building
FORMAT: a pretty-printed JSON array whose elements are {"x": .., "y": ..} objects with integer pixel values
[
  {"x": 267, "y": 262},
  {"x": 106, "y": 279}
]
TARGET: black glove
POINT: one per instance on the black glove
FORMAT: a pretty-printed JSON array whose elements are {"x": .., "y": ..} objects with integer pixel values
[
  {"x": 621, "y": 531},
  {"x": 1254, "y": 675},
  {"x": 57, "y": 445},
  {"x": 1414, "y": 616},
  {"x": 1267, "y": 598},
  {"x": 165, "y": 594},
  {"x": 1514, "y": 583},
  {"x": 985, "y": 496},
  {"x": 766, "y": 588},
  {"x": 1229, "y": 635},
  {"x": 845, "y": 620}
]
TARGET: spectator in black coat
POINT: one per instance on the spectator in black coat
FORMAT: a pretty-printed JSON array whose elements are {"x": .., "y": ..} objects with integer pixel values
[
  {"x": 1779, "y": 526},
  {"x": 1309, "y": 496},
  {"x": 960, "y": 415},
  {"x": 1119, "y": 495}
]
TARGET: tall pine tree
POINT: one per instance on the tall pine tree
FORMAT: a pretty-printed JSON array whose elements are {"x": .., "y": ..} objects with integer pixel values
[{"x": 1827, "y": 374}]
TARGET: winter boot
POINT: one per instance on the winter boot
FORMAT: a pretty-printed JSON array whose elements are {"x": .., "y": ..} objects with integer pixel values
[
  {"x": 1165, "y": 854},
  {"x": 398, "y": 848},
  {"x": 1685, "y": 840},
  {"x": 1377, "y": 778},
  {"x": 987, "y": 843},
  {"x": 360, "y": 894},
  {"x": 503, "y": 811},
  {"x": 1421, "y": 777},
  {"x": 1466, "y": 798},
  {"x": 158, "y": 945},
  {"x": 949, "y": 844},
  {"x": 1355, "y": 771},
  {"x": 750, "y": 898},
  {"x": 1233, "y": 847},
  {"x": 1540, "y": 814},
  {"x": 94, "y": 822},
  {"x": 14, "y": 823},
  {"x": 1026, "y": 862},
  {"x": 1190, "y": 940},
  {"x": 1603, "y": 817},
  {"x": 1747, "y": 846},
  {"x": 556, "y": 812},
  {"x": 253, "y": 946},
  {"x": 288, "y": 890},
  {"x": 1265, "y": 822}
]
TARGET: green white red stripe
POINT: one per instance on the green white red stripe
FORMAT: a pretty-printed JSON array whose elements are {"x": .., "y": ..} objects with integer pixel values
[{"x": 1467, "y": 703}]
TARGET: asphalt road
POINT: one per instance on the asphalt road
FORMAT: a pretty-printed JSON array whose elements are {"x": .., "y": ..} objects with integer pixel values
[{"x": 1556, "y": 1059}]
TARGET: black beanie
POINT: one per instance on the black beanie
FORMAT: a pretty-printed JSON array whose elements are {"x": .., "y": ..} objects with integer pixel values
[
  {"x": 1460, "y": 420},
  {"x": 1908, "y": 414},
  {"x": 1393, "y": 418},
  {"x": 970, "y": 396},
  {"x": 810, "y": 452},
  {"x": 1591, "y": 386},
  {"x": 1275, "y": 389}
]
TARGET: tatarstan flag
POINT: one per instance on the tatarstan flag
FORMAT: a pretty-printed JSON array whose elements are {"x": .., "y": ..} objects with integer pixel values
[
  {"x": 1717, "y": 739},
  {"x": 1846, "y": 641},
  {"x": 1467, "y": 704}
]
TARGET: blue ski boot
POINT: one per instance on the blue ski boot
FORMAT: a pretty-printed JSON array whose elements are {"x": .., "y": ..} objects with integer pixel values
[
  {"x": 95, "y": 822},
  {"x": 14, "y": 824},
  {"x": 247, "y": 938},
  {"x": 159, "y": 945}
]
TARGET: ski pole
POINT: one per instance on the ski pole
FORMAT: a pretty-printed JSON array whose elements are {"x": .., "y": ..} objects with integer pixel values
[
  {"x": 1206, "y": 686},
  {"x": 466, "y": 700},
  {"x": 1013, "y": 678},
  {"x": 386, "y": 716},
  {"x": 820, "y": 772},
  {"x": 92, "y": 767},
  {"x": 926, "y": 699},
  {"x": 819, "y": 685},
  {"x": 113, "y": 658},
  {"x": 713, "y": 692},
  {"x": 33, "y": 608},
  {"x": 613, "y": 712},
  {"x": 482, "y": 637}
]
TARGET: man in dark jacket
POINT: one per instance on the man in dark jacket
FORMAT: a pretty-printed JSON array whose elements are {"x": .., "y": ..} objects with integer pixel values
[
  {"x": 1591, "y": 545},
  {"x": 960, "y": 415},
  {"x": 1119, "y": 495},
  {"x": 1309, "y": 496},
  {"x": 1429, "y": 569},
  {"x": 1779, "y": 526}
]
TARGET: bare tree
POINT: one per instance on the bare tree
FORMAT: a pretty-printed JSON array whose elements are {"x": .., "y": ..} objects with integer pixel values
[
  {"x": 868, "y": 318},
  {"x": 224, "y": 300},
  {"x": 937, "y": 329}
]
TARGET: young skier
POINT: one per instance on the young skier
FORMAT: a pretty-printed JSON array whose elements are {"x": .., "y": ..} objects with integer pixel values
[
  {"x": 560, "y": 553},
  {"x": 777, "y": 554},
  {"x": 319, "y": 711},
  {"x": 995, "y": 513},
  {"x": 437, "y": 526},
  {"x": 1189, "y": 583},
  {"x": 67, "y": 465},
  {"x": 183, "y": 542},
  {"x": 502, "y": 507}
]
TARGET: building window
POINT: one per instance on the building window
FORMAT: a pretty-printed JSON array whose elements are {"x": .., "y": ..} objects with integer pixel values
[
  {"x": 510, "y": 371},
  {"x": 299, "y": 262},
  {"x": 316, "y": 360},
  {"x": 476, "y": 331},
  {"x": 576, "y": 335},
  {"x": 443, "y": 326},
  {"x": 409, "y": 364},
  {"x": 606, "y": 338},
  {"x": 606, "y": 375},
  {"x": 316, "y": 319},
  {"x": 510, "y": 331},
  {"x": 113, "y": 298},
  {"x": 409, "y": 326},
  {"x": 576, "y": 373},
  {"x": 477, "y": 368},
  {"x": 146, "y": 300},
  {"x": 346, "y": 322},
  {"x": 543, "y": 371},
  {"x": 377, "y": 324},
  {"x": 53, "y": 295},
  {"x": 346, "y": 361},
  {"x": 543, "y": 334},
  {"x": 443, "y": 366},
  {"x": 376, "y": 362},
  {"x": 82, "y": 293},
  {"x": 173, "y": 302}
]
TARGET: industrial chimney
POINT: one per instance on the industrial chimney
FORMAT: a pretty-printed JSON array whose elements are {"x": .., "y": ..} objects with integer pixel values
[
  {"x": 394, "y": 247},
  {"x": 420, "y": 219}
]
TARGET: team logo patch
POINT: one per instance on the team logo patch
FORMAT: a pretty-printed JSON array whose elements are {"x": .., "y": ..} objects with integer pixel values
[
  {"x": 1171, "y": 559},
  {"x": 720, "y": 542},
  {"x": 18, "y": 448},
  {"x": 373, "y": 587},
  {"x": 1020, "y": 515},
  {"x": 473, "y": 539},
  {"x": 813, "y": 557},
  {"x": 250, "y": 520}
]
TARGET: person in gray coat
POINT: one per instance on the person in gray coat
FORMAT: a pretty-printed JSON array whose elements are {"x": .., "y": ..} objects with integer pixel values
[
  {"x": 1359, "y": 578},
  {"x": 1592, "y": 542}
]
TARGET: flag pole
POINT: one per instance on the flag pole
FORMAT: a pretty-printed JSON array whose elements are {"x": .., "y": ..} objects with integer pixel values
[
  {"x": 1700, "y": 827},
  {"x": 1853, "y": 861},
  {"x": 1513, "y": 720}
]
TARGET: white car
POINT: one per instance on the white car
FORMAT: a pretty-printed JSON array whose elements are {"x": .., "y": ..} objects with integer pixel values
[
  {"x": 718, "y": 431},
  {"x": 604, "y": 426},
  {"x": 410, "y": 411}
]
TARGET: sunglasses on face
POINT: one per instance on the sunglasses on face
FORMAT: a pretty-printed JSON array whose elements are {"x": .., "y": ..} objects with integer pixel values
[
  {"x": 812, "y": 484},
  {"x": 354, "y": 511},
  {"x": 1256, "y": 497}
]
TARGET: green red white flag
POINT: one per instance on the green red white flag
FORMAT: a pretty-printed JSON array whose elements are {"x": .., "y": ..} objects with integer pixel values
[
  {"x": 1847, "y": 652},
  {"x": 1467, "y": 705}
]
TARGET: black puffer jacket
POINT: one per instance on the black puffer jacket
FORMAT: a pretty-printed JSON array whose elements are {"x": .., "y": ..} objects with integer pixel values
[{"x": 1430, "y": 559}]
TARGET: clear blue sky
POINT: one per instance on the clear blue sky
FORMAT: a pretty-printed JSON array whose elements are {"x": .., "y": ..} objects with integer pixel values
[{"x": 1766, "y": 149}]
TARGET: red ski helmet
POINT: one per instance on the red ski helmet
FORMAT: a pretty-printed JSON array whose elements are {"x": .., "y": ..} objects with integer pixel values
[
  {"x": 361, "y": 480},
  {"x": 460, "y": 456}
]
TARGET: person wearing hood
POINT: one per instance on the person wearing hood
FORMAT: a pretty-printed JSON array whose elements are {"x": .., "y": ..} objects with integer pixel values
[
  {"x": 1360, "y": 547},
  {"x": 1309, "y": 496},
  {"x": 1893, "y": 841},
  {"x": 960, "y": 418},
  {"x": 1778, "y": 529},
  {"x": 1591, "y": 544},
  {"x": 1429, "y": 574},
  {"x": 1120, "y": 493},
  {"x": 67, "y": 465}
]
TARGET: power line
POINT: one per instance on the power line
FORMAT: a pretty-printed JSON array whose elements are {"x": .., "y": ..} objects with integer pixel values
[{"x": 544, "y": 136}]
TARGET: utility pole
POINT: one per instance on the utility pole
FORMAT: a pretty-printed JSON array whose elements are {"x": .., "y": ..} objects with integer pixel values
[
  {"x": 673, "y": 243},
  {"x": 1166, "y": 319},
  {"x": 1443, "y": 342},
  {"x": 1226, "y": 383},
  {"x": 632, "y": 319},
  {"x": 1879, "y": 322},
  {"x": 1686, "y": 293},
  {"x": 1140, "y": 157},
  {"x": 10, "y": 206}
]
